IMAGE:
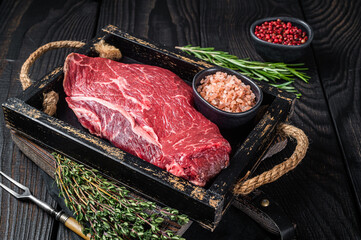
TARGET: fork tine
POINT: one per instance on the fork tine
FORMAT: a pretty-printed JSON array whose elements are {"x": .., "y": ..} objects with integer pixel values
[
  {"x": 15, "y": 194},
  {"x": 14, "y": 182}
]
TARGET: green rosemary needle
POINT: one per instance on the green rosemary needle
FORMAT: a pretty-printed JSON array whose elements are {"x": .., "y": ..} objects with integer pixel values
[
  {"x": 110, "y": 211},
  {"x": 262, "y": 71}
]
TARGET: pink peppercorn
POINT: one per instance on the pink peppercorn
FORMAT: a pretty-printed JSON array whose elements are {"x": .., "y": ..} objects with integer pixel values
[{"x": 280, "y": 33}]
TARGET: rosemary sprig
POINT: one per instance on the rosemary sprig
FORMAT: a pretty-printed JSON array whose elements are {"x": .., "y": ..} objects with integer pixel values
[
  {"x": 110, "y": 211},
  {"x": 262, "y": 71}
]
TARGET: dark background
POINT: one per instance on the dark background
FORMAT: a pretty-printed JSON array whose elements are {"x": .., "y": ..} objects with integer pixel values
[{"x": 320, "y": 195}]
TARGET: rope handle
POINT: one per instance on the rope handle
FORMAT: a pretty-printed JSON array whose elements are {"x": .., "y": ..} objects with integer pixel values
[
  {"x": 24, "y": 72},
  {"x": 244, "y": 187},
  {"x": 51, "y": 98},
  {"x": 107, "y": 51}
]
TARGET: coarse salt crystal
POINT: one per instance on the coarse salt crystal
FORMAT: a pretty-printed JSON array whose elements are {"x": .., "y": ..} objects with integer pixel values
[{"x": 227, "y": 92}]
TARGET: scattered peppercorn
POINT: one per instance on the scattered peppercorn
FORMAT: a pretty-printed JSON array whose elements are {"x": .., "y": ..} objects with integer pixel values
[{"x": 280, "y": 32}]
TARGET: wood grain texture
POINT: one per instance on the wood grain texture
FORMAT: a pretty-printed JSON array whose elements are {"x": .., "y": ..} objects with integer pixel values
[
  {"x": 43, "y": 158},
  {"x": 19, "y": 220},
  {"x": 64, "y": 233},
  {"x": 28, "y": 25},
  {"x": 72, "y": 224},
  {"x": 337, "y": 48},
  {"x": 317, "y": 195},
  {"x": 304, "y": 191},
  {"x": 168, "y": 22},
  {"x": 185, "y": 31}
]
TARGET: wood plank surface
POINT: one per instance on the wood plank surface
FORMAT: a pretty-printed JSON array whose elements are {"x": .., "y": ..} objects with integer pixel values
[
  {"x": 169, "y": 22},
  {"x": 304, "y": 191},
  {"x": 26, "y": 26},
  {"x": 337, "y": 48},
  {"x": 17, "y": 218},
  {"x": 225, "y": 27},
  {"x": 318, "y": 195}
]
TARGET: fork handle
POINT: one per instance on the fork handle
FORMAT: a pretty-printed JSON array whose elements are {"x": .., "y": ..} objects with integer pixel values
[
  {"x": 74, "y": 225},
  {"x": 69, "y": 222}
]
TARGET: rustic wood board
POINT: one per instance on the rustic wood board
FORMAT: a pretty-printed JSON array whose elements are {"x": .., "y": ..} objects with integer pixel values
[
  {"x": 26, "y": 25},
  {"x": 43, "y": 159},
  {"x": 338, "y": 66},
  {"x": 317, "y": 194},
  {"x": 64, "y": 134}
]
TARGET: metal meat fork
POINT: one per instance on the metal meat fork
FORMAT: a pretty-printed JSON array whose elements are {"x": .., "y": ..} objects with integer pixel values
[{"x": 69, "y": 222}]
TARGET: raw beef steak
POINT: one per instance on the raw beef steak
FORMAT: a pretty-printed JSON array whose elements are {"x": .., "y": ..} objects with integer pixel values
[{"x": 146, "y": 111}]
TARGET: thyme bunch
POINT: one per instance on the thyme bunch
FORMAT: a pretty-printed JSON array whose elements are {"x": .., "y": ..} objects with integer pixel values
[
  {"x": 109, "y": 211},
  {"x": 262, "y": 71}
]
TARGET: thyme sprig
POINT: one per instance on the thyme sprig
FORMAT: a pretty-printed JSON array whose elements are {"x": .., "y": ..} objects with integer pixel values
[
  {"x": 110, "y": 211},
  {"x": 262, "y": 71}
]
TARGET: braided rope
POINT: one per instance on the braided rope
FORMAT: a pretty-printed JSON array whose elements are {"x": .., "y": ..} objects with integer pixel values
[
  {"x": 24, "y": 77},
  {"x": 246, "y": 187},
  {"x": 51, "y": 98},
  {"x": 107, "y": 51}
]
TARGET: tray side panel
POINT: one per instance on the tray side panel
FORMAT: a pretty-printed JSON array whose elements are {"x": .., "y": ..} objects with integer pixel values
[
  {"x": 114, "y": 163},
  {"x": 206, "y": 205},
  {"x": 148, "y": 52}
]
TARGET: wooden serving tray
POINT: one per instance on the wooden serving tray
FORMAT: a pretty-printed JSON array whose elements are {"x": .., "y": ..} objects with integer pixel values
[
  {"x": 64, "y": 134},
  {"x": 42, "y": 158}
]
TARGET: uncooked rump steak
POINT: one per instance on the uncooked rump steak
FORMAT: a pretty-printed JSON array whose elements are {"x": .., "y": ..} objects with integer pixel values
[{"x": 146, "y": 111}]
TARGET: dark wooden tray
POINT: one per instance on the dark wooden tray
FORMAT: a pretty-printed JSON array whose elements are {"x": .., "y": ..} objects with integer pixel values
[
  {"x": 45, "y": 160},
  {"x": 64, "y": 134}
]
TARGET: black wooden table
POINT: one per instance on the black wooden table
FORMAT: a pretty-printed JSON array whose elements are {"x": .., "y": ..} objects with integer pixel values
[{"x": 321, "y": 196}]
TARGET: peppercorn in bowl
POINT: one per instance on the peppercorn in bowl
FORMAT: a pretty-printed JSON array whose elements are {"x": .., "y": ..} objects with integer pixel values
[
  {"x": 226, "y": 97},
  {"x": 281, "y": 39}
]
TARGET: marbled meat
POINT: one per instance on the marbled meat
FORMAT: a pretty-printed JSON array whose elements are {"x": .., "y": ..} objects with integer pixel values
[{"x": 148, "y": 112}]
